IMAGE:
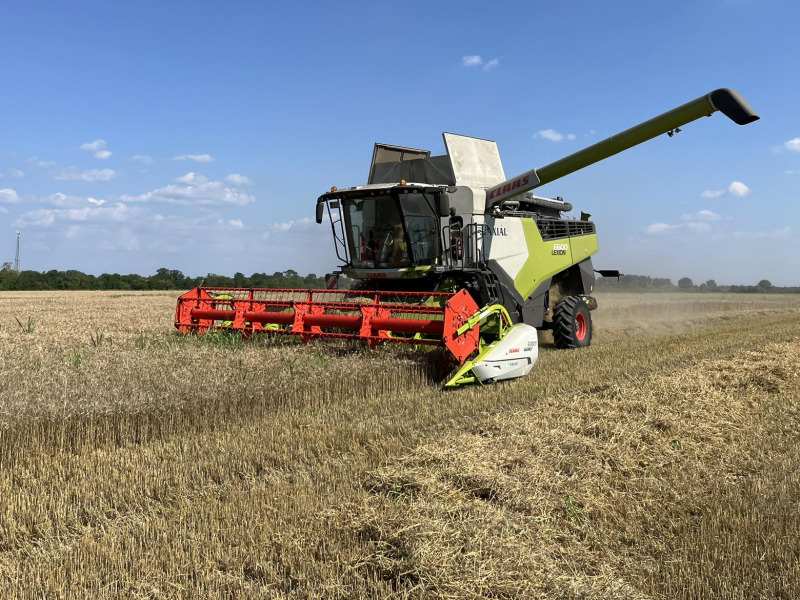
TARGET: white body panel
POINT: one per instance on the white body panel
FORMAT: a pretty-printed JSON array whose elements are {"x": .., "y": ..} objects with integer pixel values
[
  {"x": 511, "y": 357},
  {"x": 475, "y": 162},
  {"x": 504, "y": 241}
]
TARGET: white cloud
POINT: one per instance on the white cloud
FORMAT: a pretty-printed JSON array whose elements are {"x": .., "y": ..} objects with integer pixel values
[
  {"x": 660, "y": 228},
  {"x": 9, "y": 196},
  {"x": 74, "y": 174},
  {"x": 94, "y": 146},
  {"x": 302, "y": 224},
  {"x": 14, "y": 173},
  {"x": 737, "y": 188},
  {"x": 96, "y": 202},
  {"x": 45, "y": 217},
  {"x": 3, "y": 209},
  {"x": 237, "y": 179},
  {"x": 202, "y": 158},
  {"x": 192, "y": 178},
  {"x": 476, "y": 60},
  {"x": 554, "y": 136},
  {"x": 143, "y": 158},
  {"x": 793, "y": 145},
  {"x": 98, "y": 148},
  {"x": 703, "y": 215},
  {"x": 62, "y": 200},
  {"x": 194, "y": 189},
  {"x": 236, "y": 223}
]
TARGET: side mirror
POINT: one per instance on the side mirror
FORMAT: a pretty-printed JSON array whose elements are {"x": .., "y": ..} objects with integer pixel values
[
  {"x": 444, "y": 205},
  {"x": 320, "y": 211}
]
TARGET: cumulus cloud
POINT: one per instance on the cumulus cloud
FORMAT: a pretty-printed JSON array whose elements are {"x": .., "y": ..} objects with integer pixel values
[
  {"x": 9, "y": 196},
  {"x": 703, "y": 215},
  {"x": 14, "y": 173},
  {"x": 237, "y": 179},
  {"x": 95, "y": 201},
  {"x": 98, "y": 148},
  {"x": 793, "y": 145},
  {"x": 192, "y": 178},
  {"x": 236, "y": 223},
  {"x": 201, "y": 158},
  {"x": 62, "y": 200},
  {"x": 143, "y": 158},
  {"x": 303, "y": 224},
  {"x": 195, "y": 189},
  {"x": 554, "y": 136},
  {"x": 46, "y": 217},
  {"x": 660, "y": 228},
  {"x": 476, "y": 60},
  {"x": 736, "y": 188},
  {"x": 75, "y": 174}
]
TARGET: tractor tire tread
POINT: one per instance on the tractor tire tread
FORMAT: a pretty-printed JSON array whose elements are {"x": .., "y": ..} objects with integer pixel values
[{"x": 564, "y": 323}]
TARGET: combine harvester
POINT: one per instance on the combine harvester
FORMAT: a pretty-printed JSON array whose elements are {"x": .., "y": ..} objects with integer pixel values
[{"x": 455, "y": 255}]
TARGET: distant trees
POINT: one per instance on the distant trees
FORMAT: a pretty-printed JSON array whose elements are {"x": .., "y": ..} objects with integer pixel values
[
  {"x": 642, "y": 283},
  {"x": 163, "y": 279}
]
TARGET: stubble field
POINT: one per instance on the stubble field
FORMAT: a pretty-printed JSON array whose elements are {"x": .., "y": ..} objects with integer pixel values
[{"x": 662, "y": 462}]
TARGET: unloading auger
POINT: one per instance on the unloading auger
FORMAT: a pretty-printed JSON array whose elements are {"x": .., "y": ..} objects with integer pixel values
[{"x": 446, "y": 251}]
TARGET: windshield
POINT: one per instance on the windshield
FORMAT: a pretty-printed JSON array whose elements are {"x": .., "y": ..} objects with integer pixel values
[{"x": 376, "y": 231}]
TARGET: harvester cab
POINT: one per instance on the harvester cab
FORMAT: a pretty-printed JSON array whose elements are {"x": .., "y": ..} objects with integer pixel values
[{"x": 446, "y": 250}]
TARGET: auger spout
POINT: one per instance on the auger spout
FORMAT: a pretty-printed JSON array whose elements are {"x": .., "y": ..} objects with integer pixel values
[{"x": 727, "y": 101}]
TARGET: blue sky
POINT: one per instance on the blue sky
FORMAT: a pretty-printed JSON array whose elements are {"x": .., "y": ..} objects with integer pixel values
[{"x": 197, "y": 135}]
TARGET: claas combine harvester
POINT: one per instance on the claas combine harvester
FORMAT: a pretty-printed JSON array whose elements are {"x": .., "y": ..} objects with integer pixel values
[{"x": 446, "y": 251}]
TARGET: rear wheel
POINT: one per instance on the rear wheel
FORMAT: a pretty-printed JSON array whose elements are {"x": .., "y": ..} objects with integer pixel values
[{"x": 572, "y": 323}]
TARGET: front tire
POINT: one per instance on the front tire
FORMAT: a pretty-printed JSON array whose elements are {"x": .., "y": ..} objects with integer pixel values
[{"x": 572, "y": 323}]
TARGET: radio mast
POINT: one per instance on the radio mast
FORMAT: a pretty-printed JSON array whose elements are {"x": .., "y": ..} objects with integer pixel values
[{"x": 16, "y": 259}]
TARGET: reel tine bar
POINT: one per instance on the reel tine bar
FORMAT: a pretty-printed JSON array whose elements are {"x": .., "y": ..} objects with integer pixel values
[{"x": 370, "y": 316}]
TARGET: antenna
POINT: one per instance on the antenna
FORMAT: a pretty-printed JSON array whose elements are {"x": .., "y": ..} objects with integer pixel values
[{"x": 16, "y": 259}]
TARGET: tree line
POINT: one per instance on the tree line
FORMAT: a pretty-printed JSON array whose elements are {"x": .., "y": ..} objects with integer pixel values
[
  {"x": 172, "y": 279},
  {"x": 163, "y": 279},
  {"x": 643, "y": 283}
]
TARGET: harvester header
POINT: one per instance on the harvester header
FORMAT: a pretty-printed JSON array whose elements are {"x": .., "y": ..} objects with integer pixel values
[{"x": 447, "y": 251}]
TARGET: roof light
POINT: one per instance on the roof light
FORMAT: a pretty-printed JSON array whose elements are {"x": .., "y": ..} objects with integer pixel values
[
  {"x": 333, "y": 188},
  {"x": 402, "y": 182}
]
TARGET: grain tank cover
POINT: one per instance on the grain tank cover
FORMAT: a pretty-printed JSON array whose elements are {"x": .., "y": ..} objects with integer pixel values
[
  {"x": 391, "y": 164},
  {"x": 475, "y": 162}
]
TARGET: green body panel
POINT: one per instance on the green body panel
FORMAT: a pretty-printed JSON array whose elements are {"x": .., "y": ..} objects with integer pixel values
[
  {"x": 545, "y": 258},
  {"x": 583, "y": 247}
]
